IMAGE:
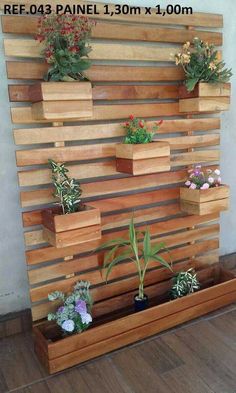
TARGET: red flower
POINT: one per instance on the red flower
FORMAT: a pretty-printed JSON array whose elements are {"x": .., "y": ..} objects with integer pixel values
[
  {"x": 127, "y": 124},
  {"x": 131, "y": 117},
  {"x": 159, "y": 123},
  {"x": 73, "y": 49}
]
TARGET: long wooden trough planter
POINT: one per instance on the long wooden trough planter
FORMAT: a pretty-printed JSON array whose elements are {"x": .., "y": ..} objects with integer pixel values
[
  {"x": 57, "y": 354},
  {"x": 200, "y": 202},
  {"x": 206, "y": 97},
  {"x": 56, "y": 101},
  {"x": 143, "y": 159}
]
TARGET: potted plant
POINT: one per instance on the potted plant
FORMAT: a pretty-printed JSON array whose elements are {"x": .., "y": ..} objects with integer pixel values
[
  {"x": 203, "y": 192},
  {"x": 65, "y": 47},
  {"x": 139, "y": 154},
  {"x": 184, "y": 283},
  {"x": 72, "y": 222},
  {"x": 141, "y": 253},
  {"x": 74, "y": 313},
  {"x": 205, "y": 88}
]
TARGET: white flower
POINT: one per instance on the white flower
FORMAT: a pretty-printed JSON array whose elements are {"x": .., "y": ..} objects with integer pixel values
[
  {"x": 217, "y": 172},
  {"x": 68, "y": 325},
  {"x": 193, "y": 186},
  {"x": 86, "y": 318},
  {"x": 205, "y": 186},
  {"x": 188, "y": 183},
  {"x": 211, "y": 180}
]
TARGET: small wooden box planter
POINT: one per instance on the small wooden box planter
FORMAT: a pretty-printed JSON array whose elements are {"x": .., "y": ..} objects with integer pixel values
[
  {"x": 63, "y": 230},
  {"x": 206, "y": 97},
  {"x": 143, "y": 158},
  {"x": 200, "y": 202},
  {"x": 58, "y": 353},
  {"x": 61, "y": 100}
]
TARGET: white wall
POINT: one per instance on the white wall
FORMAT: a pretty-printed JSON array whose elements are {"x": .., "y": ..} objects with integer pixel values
[{"x": 13, "y": 277}]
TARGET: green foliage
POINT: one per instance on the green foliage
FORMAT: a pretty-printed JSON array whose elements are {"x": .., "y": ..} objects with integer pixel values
[
  {"x": 67, "y": 190},
  {"x": 184, "y": 283},
  {"x": 65, "y": 45},
  {"x": 139, "y": 249},
  {"x": 73, "y": 315},
  {"x": 137, "y": 131},
  {"x": 201, "y": 64}
]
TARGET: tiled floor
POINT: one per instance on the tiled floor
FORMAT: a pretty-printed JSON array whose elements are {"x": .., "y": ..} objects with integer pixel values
[{"x": 199, "y": 357}]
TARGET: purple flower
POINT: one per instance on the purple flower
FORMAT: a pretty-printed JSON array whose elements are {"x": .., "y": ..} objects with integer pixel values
[
  {"x": 61, "y": 309},
  {"x": 80, "y": 307},
  {"x": 68, "y": 325},
  {"x": 86, "y": 318}
]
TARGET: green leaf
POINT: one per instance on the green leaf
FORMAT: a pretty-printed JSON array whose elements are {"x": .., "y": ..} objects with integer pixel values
[
  {"x": 157, "y": 247},
  {"x": 146, "y": 246},
  {"x": 162, "y": 261},
  {"x": 118, "y": 259}
]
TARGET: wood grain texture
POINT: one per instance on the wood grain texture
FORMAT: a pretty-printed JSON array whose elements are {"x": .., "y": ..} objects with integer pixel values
[
  {"x": 203, "y": 105},
  {"x": 116, "y": 31}
]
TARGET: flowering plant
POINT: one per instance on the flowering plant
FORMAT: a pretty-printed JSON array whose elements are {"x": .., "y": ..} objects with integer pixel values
[
  {"x": 201, "y": 64},
  {"x": 137, "y": 131},
  {"x": 74, "y": 315},
  {"x": 65, "y": 45},
  {"x": 200, "y": 179},
  {"x": 184, "y": 283}
]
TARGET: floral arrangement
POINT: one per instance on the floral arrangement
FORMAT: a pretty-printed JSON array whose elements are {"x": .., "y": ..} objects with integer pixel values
[
  {"x": 203, "y": 179},
  {"x": 67, "y": 190},
  {"x": 65, "y": 45},
  {"x": 137, "y": 131},
  {"x": 140, "y": 253},
  {"x": 184, "y": 283},
  {"x": 201, "y": 64},
  {"x": 74, "y": 315}
]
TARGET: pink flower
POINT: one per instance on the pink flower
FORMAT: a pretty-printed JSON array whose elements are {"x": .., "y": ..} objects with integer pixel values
[
  {"x": 205, "y": 186},
  {"x": 188, "y": 183},
  {"x": 219, "y": 180},
  {"x": 193, "y": 186},
  {"x": 141, "y": 124}
]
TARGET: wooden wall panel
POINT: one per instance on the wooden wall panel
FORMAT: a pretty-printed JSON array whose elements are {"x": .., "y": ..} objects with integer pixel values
[{"x": 143, "y": 90}]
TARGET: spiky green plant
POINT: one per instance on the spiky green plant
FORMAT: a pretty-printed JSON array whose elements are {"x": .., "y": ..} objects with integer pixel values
[
  {"x": 184, "y": 283},
  {"x": 140, "y": 251},
  {"x": 67, "y": 190}
]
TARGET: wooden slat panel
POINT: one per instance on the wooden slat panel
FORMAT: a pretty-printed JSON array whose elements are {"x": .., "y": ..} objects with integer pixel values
[
  {"x": 75, "y": 266},
  {"x": 32, "y": 136},
  {"x": 106, "y": 150},
  {"x": 99, "y": 73},
  {"x": 41, "y": 292},
  {"x": 195, "y": 157},
  {"x": 23, "y": 115},
  {"x": 20, "y": 93},
  {"x": 116, "y": 31},
  {"x": 50, "y": 253},
  {"x": 101, "y": 51},
  {"x": 196, "y": 19}
]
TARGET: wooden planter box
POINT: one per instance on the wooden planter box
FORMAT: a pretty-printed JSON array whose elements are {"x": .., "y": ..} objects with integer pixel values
[
  {"x": 143, "y": 158},
  {"x": 63, "y": 230},
  {"x": 206, "y": 97},
  {"x": 202, "y": 202},
  {"x": 61, "y": 100},
  {"x": 57, "y": 354}
]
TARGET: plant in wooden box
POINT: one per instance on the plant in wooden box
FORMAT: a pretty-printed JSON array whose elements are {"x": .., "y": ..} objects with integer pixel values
[
  {"x": 184, "y": 283},
  {"x": 139, "y": 253},
  {"x": 65, "y": 46},
  {"x": 205, "y": 88},
  {"x": 72, "y": 222},
  {"x": 203, "y": 192},
  {"x": 139, "y": 154},
  {"x": 74, "y": 313}
]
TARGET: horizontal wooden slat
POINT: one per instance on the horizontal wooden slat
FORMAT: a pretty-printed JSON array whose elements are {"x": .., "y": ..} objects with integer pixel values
[
  {"x": 23, "y": 115},
  {"x": 41, "y": 293},
  {"x": 194, "y": 19},
  {"x": 195, "y": 157},
  {"x": 50, "y": 253},
  {"x": 75, "y": 266},
  {"x": 32, "y": 136},
  {"x": 101, "y": 51},
  {"x": 20, "y": 93},
  {"x": 106, "y": 150},
  {"x": 116, "y": 31},
  {"x": 99, "y": 73}
]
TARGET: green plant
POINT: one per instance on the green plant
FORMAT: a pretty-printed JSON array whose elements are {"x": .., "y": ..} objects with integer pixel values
[
  {"x": 65, "y": 45},
  {"x": 184, "y": 283},
  {"x": 67, "y": 190},
  {"x": 74, "y": 314},
  {"x": 201, "y": 64},
  {"x": 140, "y": 253},
  {"x": 137, "y": 131}
]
